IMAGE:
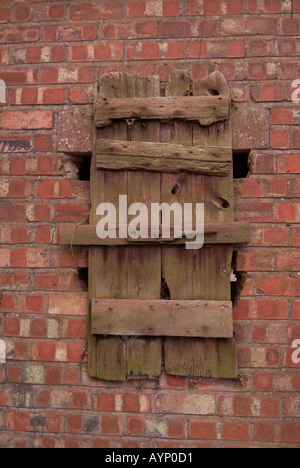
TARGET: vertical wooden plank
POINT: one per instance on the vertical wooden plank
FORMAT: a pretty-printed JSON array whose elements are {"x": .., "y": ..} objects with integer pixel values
[
  {"x": 197, "y": 274},
  {"x": 108, "y": 266},
  {"x": 125, "y": 272},
  {"x": 144, "y": 263}
]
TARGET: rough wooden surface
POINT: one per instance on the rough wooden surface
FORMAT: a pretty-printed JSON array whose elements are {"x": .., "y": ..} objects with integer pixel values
[
  {"x": 201, "y": 358},
  {"x": 162, "y": 318},
  {"x": 205, "y": 109},
  {"x": 230, "y": 233},
  {"x": 126, "y": 272},
  {"x": 159, "y": 157},
  {"x": 147, "y": 272},
  {"x": 203, "y": 274}
]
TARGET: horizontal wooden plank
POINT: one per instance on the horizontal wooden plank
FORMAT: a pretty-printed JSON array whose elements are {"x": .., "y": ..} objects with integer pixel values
[
  {"x": 205, "y": 109},
  {"x": 162, "y": 157},
  {"x": 127, "y": 317},
  {"x": 198, "y": 357},
  {"x": 225, "y": 233}
]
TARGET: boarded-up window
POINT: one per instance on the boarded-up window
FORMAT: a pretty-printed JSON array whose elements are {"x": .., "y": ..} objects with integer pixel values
[{"x": 154, "y": 305}]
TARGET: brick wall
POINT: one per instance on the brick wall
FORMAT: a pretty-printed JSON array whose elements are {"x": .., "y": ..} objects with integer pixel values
[{"x": 51, "y": 54}]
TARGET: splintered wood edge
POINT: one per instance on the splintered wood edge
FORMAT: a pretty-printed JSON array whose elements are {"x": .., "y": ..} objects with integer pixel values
[{"x": 125, "y": 317}]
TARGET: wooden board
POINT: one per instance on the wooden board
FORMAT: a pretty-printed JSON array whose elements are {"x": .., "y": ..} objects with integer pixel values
[
  {"x": 162, "y": 318},
  {"x": 159, "y": 157},
  {"x": 205, "y": 109},
  {"x": 230, "y": 233},
  {"x": 201, "y": 358},
  {"x": 202, "y": 274},
  {"x": 125, "y": 272}
]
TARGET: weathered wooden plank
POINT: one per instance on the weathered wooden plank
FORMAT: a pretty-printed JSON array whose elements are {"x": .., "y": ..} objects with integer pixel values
[
  {"x": 163, "y": 150},
  {"x": 215, "y": 358},
  {"x": 203, "y": 274},
  {"x": 230, "y": 233},
  {"x": 144, "y": 358},
  {"x": 111, "y": 352},
  {"x": 162, "y": 318},
  {"x": 144, "y": 266},
  {"x": 160, "y": 157},
  {"x": 205, "y": 109}
]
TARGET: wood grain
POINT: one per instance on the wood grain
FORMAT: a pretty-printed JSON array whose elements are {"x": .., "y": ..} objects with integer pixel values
[
  {"x": 205, "y": 109},
  {"x": 162, "y": 318}
]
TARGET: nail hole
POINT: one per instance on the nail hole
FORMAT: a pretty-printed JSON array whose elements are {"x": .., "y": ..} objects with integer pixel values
[
  {"x": 213, "y": 92},
  {"x": 222, "y": 203},
  {"x": 176, "y": 189}
]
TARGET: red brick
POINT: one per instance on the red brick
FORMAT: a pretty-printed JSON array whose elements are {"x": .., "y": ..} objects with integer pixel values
[
  {"x": 242, "y": 406},
  {"x": 176, "y": 430},
  {"x": 277, "y": 187},
  {"x": 17, "y": 189},
  {"x": 270, "y": 407},
  {"x": 53, "y": 423},
  {"x": 11, "y": 327},
  {"x": 263, "y": 382},
  {"x": 38, "y": 328},
  {"x": 76, "y": 329},
  {"x": 290, "y": 27},
  {"x": 257, "y": 71},
  {"x": 251, "y": 188},
  {"x": 43, "y": 143},
  {"x": 81, "y": 95},
  {"x": 136, "y": 9},
  {"x": 72, "y": 376},
  {"x": 33, "y": 55},
  {"x": 288, "y": 212},
  {"x": 80, "y": 400},
  {"x": 175, "y": 50},
  {"x": 32, "y": 120},
  {"x": 258, "y": 48},
  {"x": 53, "y": 376},
  {"x": 57, "y": 12},
  {"x": 296, "y": 310},
  {"x": 131, "y": 403},
  {"x": 231, "y": 431},
  {"x": 278, "y": 286},
  {"x": 150, "y": 51},
  {"x": 110, "y": 425},
  {"x": 279, "y": 138},
  {"x": 22, "y": 13},
  {"x": 236, "y": 49},
  {"x": 17, "y": 421},
  {"x": 45, "y": 189},
  {"x": 15, "y": 374},
  {"x": 203, "y": 430},
  {"x": 71, "y": 213},
  {"x": 272, "y": 310},
  {"x": 44, "y": 351},
  {"x": 74, "y": 423},
  {"x": 272, "y": 6},
  {"x": 171, "y": 8},
  {"x": 264, "y": 432},
  {"x": 35, "y": 304},
  {"x": 135, "y": 426},
  {"x": 105, "y": 402},
  {"x": 175, "y": 29},
  {"x": 42, "y": 399},
  {"x": 290, "y": 432},
  {"x": 103, "y": 10}
]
